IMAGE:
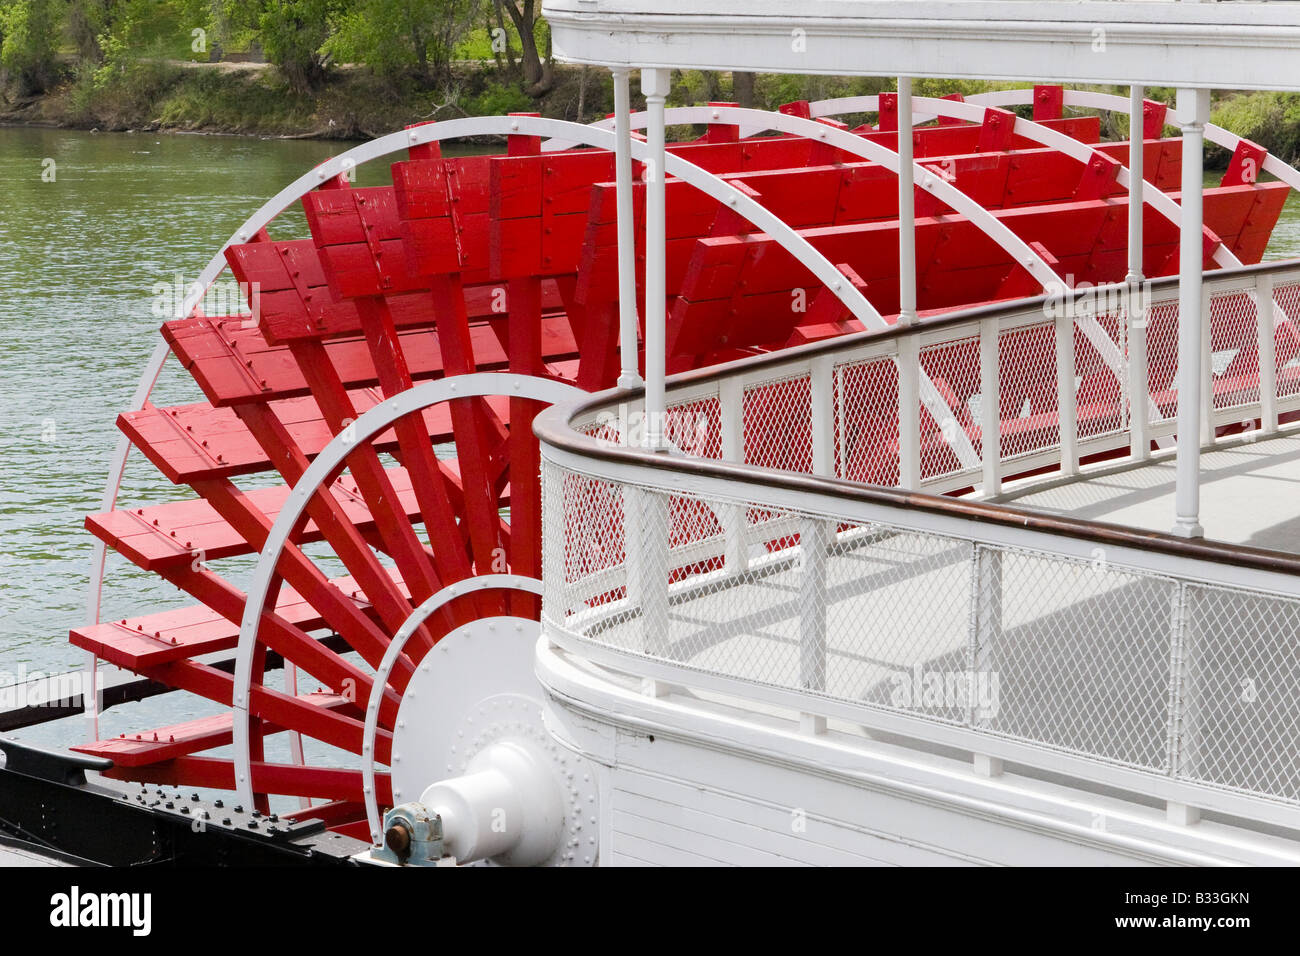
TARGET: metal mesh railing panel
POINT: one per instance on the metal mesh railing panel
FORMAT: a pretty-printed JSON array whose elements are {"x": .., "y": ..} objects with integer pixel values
[
  {"x": 866, "y": 421},
  {"x": 1287, "y": 299},
  {"x": 695, "y": 426},
  {"x": 778, "y": 423},
  {"x": 1234, "y": 349},
  {"x": 1027, "y": 406},
  {"x": 954, "y": 369},
  {"x": 1081, "y": 651},
  {"x": 1240, "y": 692},
  {"x": 1162, "y": 360},
  {"x": 1101, "y": 373}
]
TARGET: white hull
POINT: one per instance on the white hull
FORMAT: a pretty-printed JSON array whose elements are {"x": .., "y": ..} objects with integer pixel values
[{"x": 689, "y": 781}]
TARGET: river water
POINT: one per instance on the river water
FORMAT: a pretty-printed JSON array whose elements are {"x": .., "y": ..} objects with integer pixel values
[{"x": 90, "y": 225}]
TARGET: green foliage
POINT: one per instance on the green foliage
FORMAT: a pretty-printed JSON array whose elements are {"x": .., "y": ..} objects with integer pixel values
[
  {"x": 395, "y": 37},
  {"x": 28, "y": 38},
  {"x": 497, "y": 99},
  {"x": 477, "y": 44},
  {"x": 1270, "y": 119},
  {"x": 293, "y": 34}
]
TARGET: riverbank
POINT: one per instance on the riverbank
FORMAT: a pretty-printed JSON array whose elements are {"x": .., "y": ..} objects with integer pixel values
[{"x": 354, "y": 104}]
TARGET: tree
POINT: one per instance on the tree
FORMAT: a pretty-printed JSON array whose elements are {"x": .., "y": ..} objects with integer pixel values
[
  {"x": 293, "y": 35},
  {"x": 394, "y": 37},
  {"x": 88, "y": 20},
  {"x": 28, "y": 34},
  {"x": 537, "y": 69}
]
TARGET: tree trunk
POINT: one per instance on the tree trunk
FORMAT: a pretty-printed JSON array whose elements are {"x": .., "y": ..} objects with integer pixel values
[
  {"x": 742, "y": 89},
  {"x": 505, "y": 35},
  {"x": 539, "y": 73}
]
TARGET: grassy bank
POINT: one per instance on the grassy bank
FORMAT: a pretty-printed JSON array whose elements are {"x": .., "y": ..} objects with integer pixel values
[
  {"x": 162, "y": 94},
  {"x": 252, "y": 99}
]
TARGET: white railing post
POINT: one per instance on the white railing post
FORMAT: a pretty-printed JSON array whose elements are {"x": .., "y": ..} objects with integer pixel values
[
  {"x": 1207, "y": 368},
  {"x": 985, "y": 632},
  {"x": 1066, "y": 413},
  {"x": 654, "y": 84},
  {"x": 1267, "y": 350},
  {"x": 815, "y": 535},
  {"x": 731, "y": 406},
  {"x": 909, "y": 356},
  {"x": 1139, "y": 397},
  {"x": 822, "y": 397},
  {"x": 1193, "y": 113},
  {"x": 909, "y": 412},
  {"x": 646, "y": 524},
  {"x": 629, "y": 373},
  {"x": 990, "y": 408},
  {"x": 634, "y": 555},
  {"x": 1139, "y": 379},
  {"x": 1181, "y": 733}
]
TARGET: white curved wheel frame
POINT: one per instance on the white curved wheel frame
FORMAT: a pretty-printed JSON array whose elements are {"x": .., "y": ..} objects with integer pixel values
[
  {"x": 330, "y": 460},
  {"x": 483, "y": 582}
]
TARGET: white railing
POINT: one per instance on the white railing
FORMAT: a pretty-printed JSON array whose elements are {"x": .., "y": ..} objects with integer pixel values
[{"x": 772, "y": 557}]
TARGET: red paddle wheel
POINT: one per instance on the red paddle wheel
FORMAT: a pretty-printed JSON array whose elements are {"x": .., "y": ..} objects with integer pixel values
[{"x": 502, "y": 264}]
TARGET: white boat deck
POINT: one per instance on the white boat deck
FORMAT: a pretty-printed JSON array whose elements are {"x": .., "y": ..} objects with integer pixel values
[{"x": 1250, "y": 494}]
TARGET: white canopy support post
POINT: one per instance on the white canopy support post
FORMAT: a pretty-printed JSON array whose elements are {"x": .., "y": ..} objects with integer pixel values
[
  {"x": 654, "y": 84},
  {"x": 629, "y": 373},
  {"x": 1193, "y": 113},
  {"x": 1267, "y": 327},
  {"x": 909, "y": 357},
  {"x": 906, "y": 209},
  {"x": 1136, "y": 142},
  {"x": 1138, "y": 384},
  {"x": 1067, "y": 393}
]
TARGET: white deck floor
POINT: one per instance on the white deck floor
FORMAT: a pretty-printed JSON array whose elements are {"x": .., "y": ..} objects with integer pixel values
[{"x": 1250, "y": 494}]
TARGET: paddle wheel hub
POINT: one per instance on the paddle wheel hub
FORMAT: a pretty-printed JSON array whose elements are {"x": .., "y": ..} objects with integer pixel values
[{"x": 501, "y": 786}]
